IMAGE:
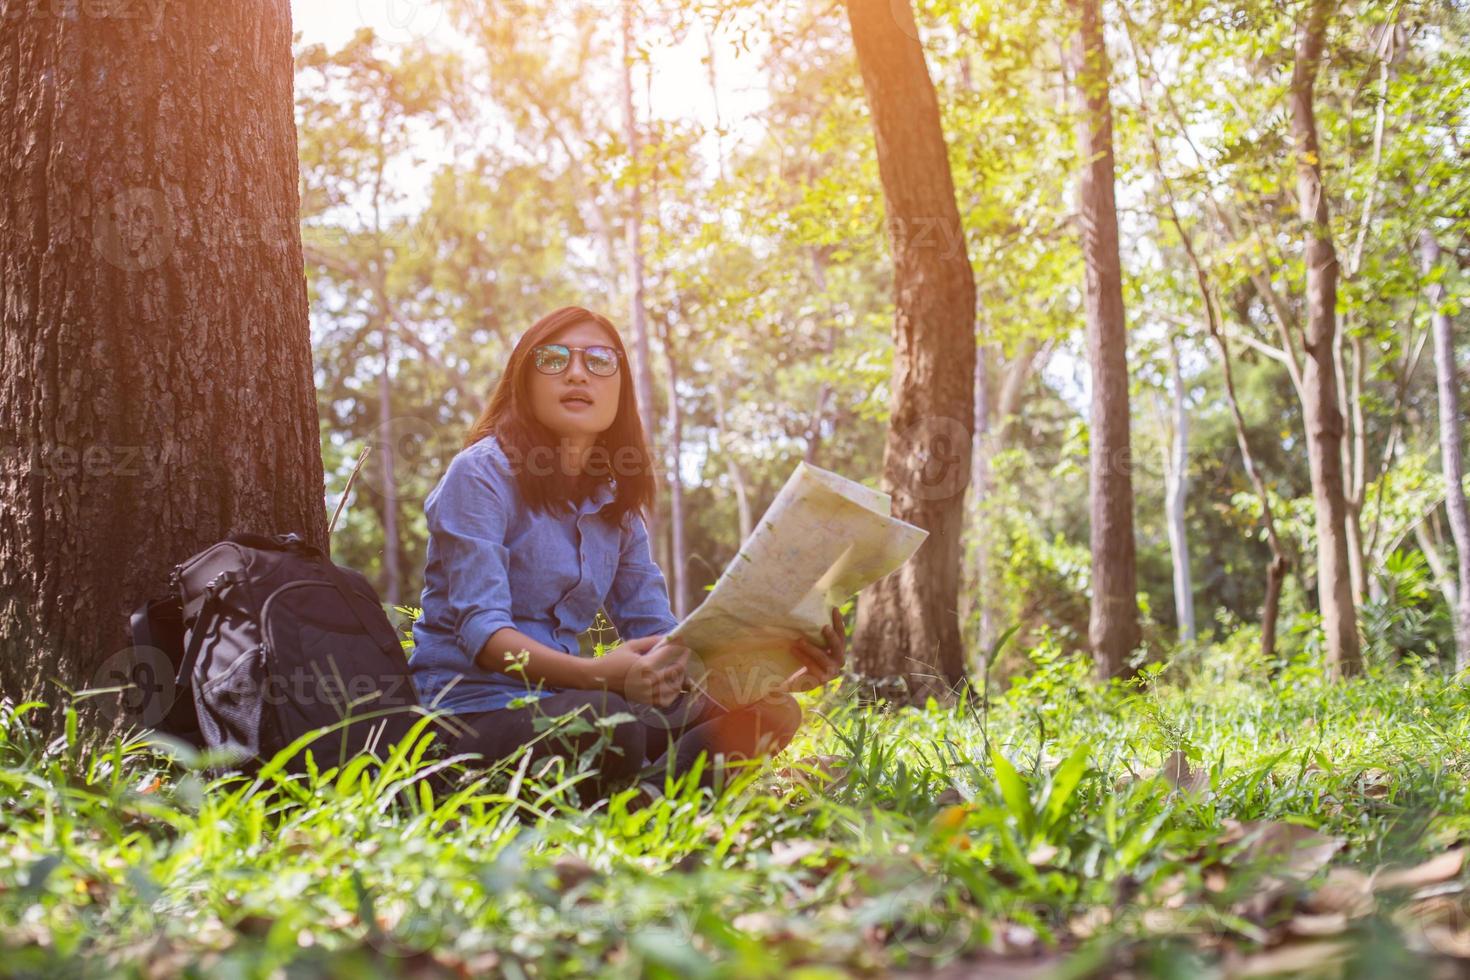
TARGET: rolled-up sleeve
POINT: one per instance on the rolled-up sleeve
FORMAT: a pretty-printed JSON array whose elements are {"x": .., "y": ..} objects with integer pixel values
[
  {"x": 467, "y": 518},
  {"x": 638, "y": 602}
]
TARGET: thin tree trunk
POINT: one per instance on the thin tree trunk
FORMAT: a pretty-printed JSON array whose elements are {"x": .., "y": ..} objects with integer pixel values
[
  {"x": 737, "y": 478},
  {"x": 1355, "y": 456},
  {"x": 1451, "y": 461},
  {"x": 1444, "y": 579},
  {"x": 997, "y": 399},
  {"x": 1113, "y": 631},
  {"x": 824, "y": 390},
  {"x": 979, "y": 591},
  {"x": 1280, "y": 565},
  {"x": 156, "y": 389},
  {"x": 1176, "y": 496},
  {"x": 392, "y": 574},
  {"x": 678, "y": 556},
  {"x": 908, "y": 623},
  {"x": 633, "y": 230},
  {"x": 1324, "y": 420},
  {"x": 732, "y": 468},
  {"x": 1352, "y": 394}
]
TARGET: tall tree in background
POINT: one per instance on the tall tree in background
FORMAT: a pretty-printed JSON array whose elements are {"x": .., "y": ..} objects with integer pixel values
[
  {"x": 1320, "y": 402},
  {"x": 1113, "y": 630},
  {"x": 908, "y": 624},
  {"x": 363, "y": 109},
  {"x": 1176, "y": 493},
  {"x": 1450, "y": 460},
  {"x": 157, "y": 378},
  {"x": 633, "y": 232}
]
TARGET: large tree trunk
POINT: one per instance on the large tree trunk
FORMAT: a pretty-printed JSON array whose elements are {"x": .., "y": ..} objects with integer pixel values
[
  {"x": 1324, "y": 422},
  {"x": 908, "y": 623},
  {"x": 1113, "y": 630},
  {"x": 156, "y": 391},
  {"x": 1451, "y": 462}
]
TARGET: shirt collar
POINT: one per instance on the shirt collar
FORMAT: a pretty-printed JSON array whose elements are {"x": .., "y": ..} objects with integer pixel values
[{"x": 604, "y": 494}]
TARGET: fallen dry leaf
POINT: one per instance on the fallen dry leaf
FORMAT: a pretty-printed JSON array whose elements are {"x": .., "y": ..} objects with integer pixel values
[
  {"x": 1177, "y": 772},
  {"x": 786, "y": 853},
  {"x": 1010, "y": 939},
  {"x": 1439, "y": 868},
  {"x": 1286, "y": 848},
  {"x": 1091, "y": 922},
  {"x": 1346, "y": 891},
  {"x": 1435, "y": 925},
  {"x": 769, "y": 925},
  {"x": 571, "y": 870},
  {"x": 1291, "y": 959},
  {"x": 1447, "y": 941},
  {"x": 1283, "y": 853},
  {"x": 950, "y": 797},
  {"x": 1312, "y": 926}
]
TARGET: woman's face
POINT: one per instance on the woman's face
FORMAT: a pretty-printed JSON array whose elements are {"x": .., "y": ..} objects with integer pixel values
[{"x": 552, "y": 395}]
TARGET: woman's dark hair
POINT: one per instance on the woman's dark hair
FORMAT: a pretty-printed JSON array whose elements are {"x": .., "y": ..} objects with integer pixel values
[{"x": 620, "y": 451}]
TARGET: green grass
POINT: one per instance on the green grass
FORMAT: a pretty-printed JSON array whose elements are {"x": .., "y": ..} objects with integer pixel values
[{"x": 1029, "y": 828}]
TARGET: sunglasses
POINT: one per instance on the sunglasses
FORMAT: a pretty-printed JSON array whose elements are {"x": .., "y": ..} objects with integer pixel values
[{"x": 556, "y": 358}]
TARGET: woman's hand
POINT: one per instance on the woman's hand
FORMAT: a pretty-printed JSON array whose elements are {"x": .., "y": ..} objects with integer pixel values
[
  {"x": 649, "y": 670},
  {"x": 658, "y": 676},
  {"x": 822, "y": 663}
]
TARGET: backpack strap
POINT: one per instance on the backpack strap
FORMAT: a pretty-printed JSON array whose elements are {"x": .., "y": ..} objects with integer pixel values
[{"x": 212, "y": 593}]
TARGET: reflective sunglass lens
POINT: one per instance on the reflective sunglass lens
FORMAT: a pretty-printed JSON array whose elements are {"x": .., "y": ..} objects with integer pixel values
[
  {"x": 601, "y": 360},
  {"x": 552, "y": 359}
]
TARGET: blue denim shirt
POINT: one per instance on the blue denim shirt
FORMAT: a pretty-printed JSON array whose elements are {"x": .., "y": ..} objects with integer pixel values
[{"x": 494, "y": 562}]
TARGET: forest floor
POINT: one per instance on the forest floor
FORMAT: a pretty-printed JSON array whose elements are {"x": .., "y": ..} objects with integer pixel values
[{"x": 1203, "y": 825}]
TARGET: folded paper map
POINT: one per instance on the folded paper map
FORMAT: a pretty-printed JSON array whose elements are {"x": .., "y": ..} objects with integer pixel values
[{"x": 823, "y": 539}]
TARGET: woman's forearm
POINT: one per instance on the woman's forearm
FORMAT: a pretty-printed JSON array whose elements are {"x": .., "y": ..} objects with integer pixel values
[{"x": 508, "y": 647}]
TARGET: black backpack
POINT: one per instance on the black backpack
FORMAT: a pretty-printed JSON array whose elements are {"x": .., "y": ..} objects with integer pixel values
[{"x": 268, "y": 640}]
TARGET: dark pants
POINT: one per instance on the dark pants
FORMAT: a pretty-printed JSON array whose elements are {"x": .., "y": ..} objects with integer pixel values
[{"x": 674, "y": 736}]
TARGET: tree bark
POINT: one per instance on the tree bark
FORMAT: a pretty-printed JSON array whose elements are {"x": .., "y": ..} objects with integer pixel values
[
  {"x": 1324, "y": 422},
  {"x": 1113, "y": 631},
  {"x": 157, "y": 391},
  {"x": 1451, "y": 462},
  {"x": 908, "y": 623}
]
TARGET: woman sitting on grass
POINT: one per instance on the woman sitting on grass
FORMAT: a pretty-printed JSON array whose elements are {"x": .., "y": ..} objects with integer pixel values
[{"x": 535, "y": 526}]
